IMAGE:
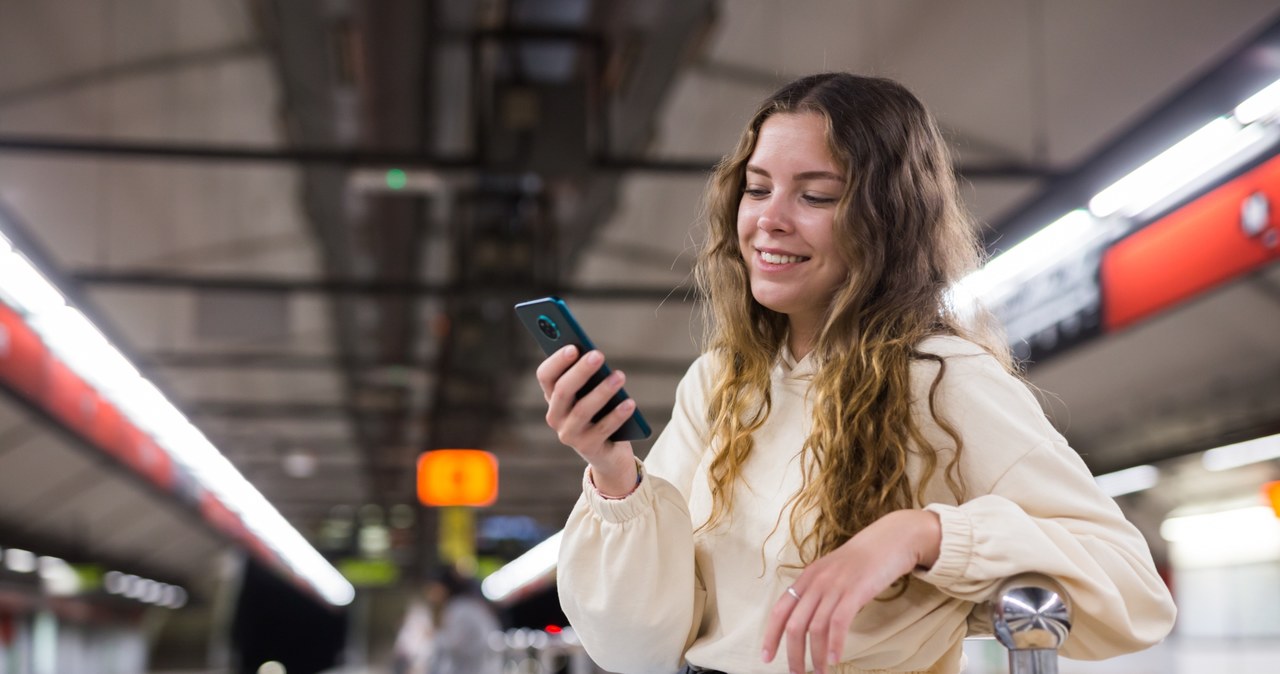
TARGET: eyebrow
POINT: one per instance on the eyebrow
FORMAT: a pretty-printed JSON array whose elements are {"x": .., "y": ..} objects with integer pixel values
[{"x": 803, "y": 175}]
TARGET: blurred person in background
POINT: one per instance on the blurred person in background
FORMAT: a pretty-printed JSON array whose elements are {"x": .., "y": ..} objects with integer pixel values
[
  {"x": 412, "y": 650},
  {"x": 463, "y": 621}
]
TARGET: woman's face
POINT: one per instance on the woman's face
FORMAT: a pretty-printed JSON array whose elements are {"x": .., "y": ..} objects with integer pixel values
[
  {"x": 436, "y": 593},
  {"x": 786, "y": 219}
]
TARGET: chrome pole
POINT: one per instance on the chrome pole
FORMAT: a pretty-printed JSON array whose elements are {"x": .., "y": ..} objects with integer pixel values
[{"x": 1031, "y": 615}]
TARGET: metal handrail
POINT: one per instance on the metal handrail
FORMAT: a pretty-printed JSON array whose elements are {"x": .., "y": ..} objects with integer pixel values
[{"x": 1031, "y": 616}]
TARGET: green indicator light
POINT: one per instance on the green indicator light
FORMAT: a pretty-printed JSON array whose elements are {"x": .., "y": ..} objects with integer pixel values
[{"x": 396, "y": 179}]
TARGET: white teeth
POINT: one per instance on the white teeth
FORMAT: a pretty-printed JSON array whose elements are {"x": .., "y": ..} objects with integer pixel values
[{"x": 781, "y": 259}]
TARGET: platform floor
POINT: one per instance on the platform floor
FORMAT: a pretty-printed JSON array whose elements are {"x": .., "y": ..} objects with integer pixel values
[{"x": 1174, "y": 656}]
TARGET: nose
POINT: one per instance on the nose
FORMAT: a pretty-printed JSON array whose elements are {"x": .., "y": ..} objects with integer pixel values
[{"x": 775, "y": 217}]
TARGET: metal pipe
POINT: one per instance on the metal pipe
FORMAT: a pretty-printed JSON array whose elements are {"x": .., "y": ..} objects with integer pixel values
[
  {"x": 1031, "y": 615},
  {"x": 329, "y": 286},
  {"x": 353, "y": 158}
]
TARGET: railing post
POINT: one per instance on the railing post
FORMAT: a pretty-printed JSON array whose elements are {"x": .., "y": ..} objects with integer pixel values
[{"x": 1031, "y": 615}]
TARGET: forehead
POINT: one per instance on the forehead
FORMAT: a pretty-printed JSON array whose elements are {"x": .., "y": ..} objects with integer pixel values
[{"x": 799, "y": 138}]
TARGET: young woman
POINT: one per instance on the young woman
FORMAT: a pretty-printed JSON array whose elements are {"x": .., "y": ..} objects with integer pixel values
[{"x": 850, "y": 466}]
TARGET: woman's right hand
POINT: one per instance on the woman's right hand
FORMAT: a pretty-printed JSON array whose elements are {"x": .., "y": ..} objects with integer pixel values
[{"x": 561, "y": 376}]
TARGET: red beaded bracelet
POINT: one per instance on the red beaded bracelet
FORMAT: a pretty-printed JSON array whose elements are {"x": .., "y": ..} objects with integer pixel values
[{"x": 592, "y": 478}]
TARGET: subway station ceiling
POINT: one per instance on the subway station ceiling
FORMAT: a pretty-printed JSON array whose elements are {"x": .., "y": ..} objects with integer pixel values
[{"x": 213, "y": 182}]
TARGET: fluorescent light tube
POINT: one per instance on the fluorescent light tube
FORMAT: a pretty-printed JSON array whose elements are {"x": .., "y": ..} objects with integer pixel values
[
  {"x": 77, "y": 342},
  {"x": 1174, "y": 168},
  {"x": 57, "y": 577},
  {"x": 1262, "y": 105},
  {"x": 1059, "y": 239},
  {"x": 1242, "y": 453},
  {"x": 532, "y": 565},
  {"x": 19, "y": 560},
  {"x": 24, "y": 287},
  {"x": 1246, "y": 535},
  {"x": 1223, "y": 524},
  {"x": 1129, "y": 480}
]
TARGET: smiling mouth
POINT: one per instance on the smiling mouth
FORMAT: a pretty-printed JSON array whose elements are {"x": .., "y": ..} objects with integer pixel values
[{"x": 781, "y": 259}]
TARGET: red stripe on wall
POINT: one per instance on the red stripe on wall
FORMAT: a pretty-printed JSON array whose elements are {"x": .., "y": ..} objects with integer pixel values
[
  {"x": 1198, "y": 247},
  {"x": 22, "y": 356}
]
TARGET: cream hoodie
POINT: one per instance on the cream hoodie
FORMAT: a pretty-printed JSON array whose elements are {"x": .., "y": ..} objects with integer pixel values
[{"x": 644, "y": 592}]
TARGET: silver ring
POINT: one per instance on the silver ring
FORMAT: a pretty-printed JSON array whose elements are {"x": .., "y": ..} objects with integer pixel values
[{"x": 792, "y": 591}]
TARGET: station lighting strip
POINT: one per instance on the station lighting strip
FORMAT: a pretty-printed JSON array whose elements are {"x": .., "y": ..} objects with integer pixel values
[
  {"x": 1247, "y": 128},
  {"x": 144, "y": 589},
  {"x": 1242, "y": 453},
  {"x": 533, "y": 565},
  {"x": 60, "y": 579},
  {"x": 75, "y": 340},
  {"x": 1250, "y": 124}
]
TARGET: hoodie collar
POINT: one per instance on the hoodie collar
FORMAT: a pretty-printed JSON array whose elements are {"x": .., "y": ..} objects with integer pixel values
[{"x": 790, "y": 368}]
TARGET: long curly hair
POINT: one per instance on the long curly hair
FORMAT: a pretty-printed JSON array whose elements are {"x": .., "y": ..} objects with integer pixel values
[{"x": 906, "y": 238}]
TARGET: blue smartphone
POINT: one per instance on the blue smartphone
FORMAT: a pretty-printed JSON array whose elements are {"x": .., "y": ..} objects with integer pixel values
[{"x": 553, "y": 326}]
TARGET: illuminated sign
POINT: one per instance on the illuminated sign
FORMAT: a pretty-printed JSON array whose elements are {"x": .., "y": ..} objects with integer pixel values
[{"x": 457, "y": 477}]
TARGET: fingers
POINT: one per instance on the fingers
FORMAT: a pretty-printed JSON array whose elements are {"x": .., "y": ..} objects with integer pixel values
[
  {"x": 553, "y": 367},
  {"x": 798, "y": 629},
  {"x": 779, "y": 615},
  {"x": 838, "y": 629},
  {"x": 821, "y": 616},
  {"x": 834, "y": 589},
  {"x": 818, "y": 636},
  {"x": 561, "y": 376},
  {"x": 563, "y": 391},
  {"x": 608, "y": 425},
  {"x": 580, "y": 417}
]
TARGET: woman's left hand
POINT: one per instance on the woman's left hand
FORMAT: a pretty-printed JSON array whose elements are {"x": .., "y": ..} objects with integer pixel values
[{"x": 831, "y": 590}]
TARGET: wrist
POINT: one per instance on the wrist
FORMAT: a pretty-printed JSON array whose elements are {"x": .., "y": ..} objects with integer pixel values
[
  {"x": 615, "y": 482},
  {"x": 929, "y": 537}
]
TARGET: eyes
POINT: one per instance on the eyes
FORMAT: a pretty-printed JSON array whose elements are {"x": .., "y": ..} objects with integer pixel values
[{"x": 813, "y": 199}]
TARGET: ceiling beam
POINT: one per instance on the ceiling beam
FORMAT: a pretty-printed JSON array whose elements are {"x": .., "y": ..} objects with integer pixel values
[
  {"x": 353, "y": 158},
  {"x": 267, "y": 284}
]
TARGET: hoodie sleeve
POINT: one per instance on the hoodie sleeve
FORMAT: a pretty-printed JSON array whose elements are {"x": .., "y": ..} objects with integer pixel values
[{"x": 1033, "y": 506}]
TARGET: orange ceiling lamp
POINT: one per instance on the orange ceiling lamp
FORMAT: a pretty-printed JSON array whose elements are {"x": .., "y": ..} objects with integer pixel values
[
  {"x": 1272, "y": 491},
  {"x": 457, "y": 477}
]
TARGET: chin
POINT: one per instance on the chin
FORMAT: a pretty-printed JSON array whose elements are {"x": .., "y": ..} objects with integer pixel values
[{"x": 773, "y": 304}]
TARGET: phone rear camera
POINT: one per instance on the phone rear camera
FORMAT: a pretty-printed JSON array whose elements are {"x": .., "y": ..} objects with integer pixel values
[{"x": 548, "y": 327}]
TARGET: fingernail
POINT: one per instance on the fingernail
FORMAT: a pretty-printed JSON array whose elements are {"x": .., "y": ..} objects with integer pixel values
[
  {"x": 569, "y": 351},
  {"x": 764, "y": 655},
  {"x": 595, "y": 357},
  {"x": 618, "y": 376},
  {"x": 832, "y": 658}
]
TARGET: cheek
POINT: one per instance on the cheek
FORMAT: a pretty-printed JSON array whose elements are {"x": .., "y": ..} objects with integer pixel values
[
  {"x": 822, "y": 235},
  {"x": 746, "y": 226}
]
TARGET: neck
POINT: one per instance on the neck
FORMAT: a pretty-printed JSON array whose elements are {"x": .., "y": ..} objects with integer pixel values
[{"x": 800, "y": 338}]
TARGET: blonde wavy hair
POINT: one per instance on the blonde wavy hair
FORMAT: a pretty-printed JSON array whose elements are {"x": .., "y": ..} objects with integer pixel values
[{"x": 906, "y": 238}]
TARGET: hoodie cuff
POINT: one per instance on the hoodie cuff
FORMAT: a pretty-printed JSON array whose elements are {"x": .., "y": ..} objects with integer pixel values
[
  {"x": 619, "y": 509},
  {"x": 956, "y": 549}
]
